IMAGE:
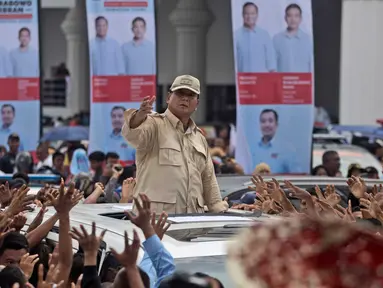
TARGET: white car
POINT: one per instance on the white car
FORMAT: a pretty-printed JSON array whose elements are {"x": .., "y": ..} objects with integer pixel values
[{"x": 197, "y": 242}]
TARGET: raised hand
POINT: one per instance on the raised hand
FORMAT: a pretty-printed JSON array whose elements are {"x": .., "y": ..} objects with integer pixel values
[
  {"x": 127, "y": 190},
  {"x": 142, "y": 220},
  {"x": 160, "y": 226},
  {"x": 146, "y": 106},
  {"x": 259, "y": 186},
  {"x": 128, "y": 257},
  {"x": 357, "y": 186},
  {"x": 18, "y": 222},
  {"x": 371, "y": 206},
  {"x": 89, "y": 243},
  {"x": 27, "y": 263},
  {"x": 5, "y": 194},
  {"x": 52, "y": 274},
  {"x": 19, "y": 201}
]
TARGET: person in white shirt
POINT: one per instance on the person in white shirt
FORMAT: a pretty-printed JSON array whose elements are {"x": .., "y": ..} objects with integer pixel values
[{"x": 45, "y": 159}]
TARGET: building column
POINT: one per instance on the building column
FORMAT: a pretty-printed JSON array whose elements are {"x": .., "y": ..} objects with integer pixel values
[
  {"x": 361, "y": 87},
  {"x": 192, "y": 19},
  {"x": 75, "y": 29}
]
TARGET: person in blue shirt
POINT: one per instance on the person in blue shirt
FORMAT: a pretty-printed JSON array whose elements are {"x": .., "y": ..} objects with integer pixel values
[
  {"x": 253, "y": 46},
  {"x": 106, "y": 52},
  {"x": 139, "y": 54},
  {"x": 277, "y": 153},
  {"x": 8, "y": 113},
  {"x": 115, "y": 142},
  {"x": 293, "y": 47},
  {"x": 5, "y": 63},
  {"x": 25, "y": 59}
]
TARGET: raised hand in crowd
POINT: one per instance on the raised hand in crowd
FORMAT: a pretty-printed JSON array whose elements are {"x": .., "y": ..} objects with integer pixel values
[
  {"x": 127, "y": 190},
  {"x": 90, "y": 243},
  {"x": 18, "y": 222},
  {"x": 128, "y": 258},
  {"x": 161, "y": 225},
  {"x": 5, "y": 195},
  {"x": 19, "y": 202},
  {"x": 97, "y": 192},
  {"x": 357, "y": 186},
  {"x": 27, "y": 264},
  {"x": 143, "y": 218},
  {"x": 371, "y": 206},
  {"x": 50, "y": 279}
]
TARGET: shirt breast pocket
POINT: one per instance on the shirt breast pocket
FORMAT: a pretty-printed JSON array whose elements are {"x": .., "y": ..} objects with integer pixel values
[
  {"x": 199, "y": 156},
  {"x": 170, "y": 154}
]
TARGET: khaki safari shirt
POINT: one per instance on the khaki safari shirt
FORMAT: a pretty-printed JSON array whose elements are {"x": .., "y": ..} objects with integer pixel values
[{"x": 174, "y": 167}]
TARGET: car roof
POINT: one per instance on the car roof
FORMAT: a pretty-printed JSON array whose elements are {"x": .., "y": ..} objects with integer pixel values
[{"x": 204, "y": 244}]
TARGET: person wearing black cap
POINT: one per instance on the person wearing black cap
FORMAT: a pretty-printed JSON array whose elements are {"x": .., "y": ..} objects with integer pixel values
[{"x": 8, "y": 161}]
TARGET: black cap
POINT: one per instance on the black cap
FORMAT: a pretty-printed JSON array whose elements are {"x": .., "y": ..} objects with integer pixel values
[
  {"x": 14, "y": 136},
  {"x": 371, "y": 170}
]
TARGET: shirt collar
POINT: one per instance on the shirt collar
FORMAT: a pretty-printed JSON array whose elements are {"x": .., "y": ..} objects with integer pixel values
[
  {"x": 2, "y": 129},
  {"x": 246, "y": 29},
  {"x": 297, "y": 35},
  {"x": 115, "y": 136},
  {"x": 175, "y": 121},
  {"x": 140, "y": 43},
  {"x": 266, "y": 145}
]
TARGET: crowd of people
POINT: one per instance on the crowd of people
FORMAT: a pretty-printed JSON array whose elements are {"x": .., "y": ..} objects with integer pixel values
[
  {"x": 29, "y": 259},
  {"x": 175, "y": 173}
]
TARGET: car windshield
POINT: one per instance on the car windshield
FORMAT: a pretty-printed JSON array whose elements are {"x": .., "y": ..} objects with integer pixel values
[
  {"x": 214, "y": 266},
  {"x": 348, "y": 157}
]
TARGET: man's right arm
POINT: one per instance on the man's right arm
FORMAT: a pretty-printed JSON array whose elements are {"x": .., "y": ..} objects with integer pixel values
[{"x": 139, "y": 129}]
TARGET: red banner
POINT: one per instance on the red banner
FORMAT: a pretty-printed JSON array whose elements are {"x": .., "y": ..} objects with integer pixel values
[
  {"x": 19, "y": 89},
  {"x": 274, "y": 88},
  {"x": 122, "y": 88}
]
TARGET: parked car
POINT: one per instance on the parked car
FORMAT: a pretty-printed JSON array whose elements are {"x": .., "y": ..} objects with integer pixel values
[{"x": 197, "y": 242}]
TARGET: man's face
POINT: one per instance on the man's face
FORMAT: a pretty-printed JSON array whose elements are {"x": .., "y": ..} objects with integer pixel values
[
  {"x": 139, "y": 29},
  {"x": 41, "y": 153},
  {"x": 334, "y": 162},
  {"x": 112, "y": 161},
  {"x": 58, "y": 162},
  {"x": 14, "y": 145},
  {"x": 24, "y": 38},
  {"x": 12, "y": 257},
  {"x": 293, "y": 18},
  {"x": 183, "y": 102},
  {"x": 101, "y": 28},
  {"x": 94, "y": 165},
  {"x": 268, "y": 124},
  {"x": 117, "y": 119},
  {"x": 7, "y": 115},
  {"x": 250, "y": 15}
]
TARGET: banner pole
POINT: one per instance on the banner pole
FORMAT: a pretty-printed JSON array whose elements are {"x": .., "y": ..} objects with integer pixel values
[{"x": 41, "y": 83}]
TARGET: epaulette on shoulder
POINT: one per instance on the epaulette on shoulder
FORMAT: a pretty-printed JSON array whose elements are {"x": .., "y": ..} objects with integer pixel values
[{"x": 156, "y": 115}]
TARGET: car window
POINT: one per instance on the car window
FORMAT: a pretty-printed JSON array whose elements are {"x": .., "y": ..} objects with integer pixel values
[
  {"x": 214, "y": 266},
  {"x": 348, "y": 157}
]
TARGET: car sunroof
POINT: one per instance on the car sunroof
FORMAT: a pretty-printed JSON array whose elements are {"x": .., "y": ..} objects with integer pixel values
[{"x": 208, "y": 234}]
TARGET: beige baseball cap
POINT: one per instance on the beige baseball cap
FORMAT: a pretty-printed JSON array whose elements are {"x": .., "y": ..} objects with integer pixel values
[{"x": 186, "y": 82}]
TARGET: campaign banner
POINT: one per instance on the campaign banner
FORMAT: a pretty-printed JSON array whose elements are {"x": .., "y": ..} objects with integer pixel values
[
  {"x": 273, "y": 50},
  {"x": 122, "y": 50},
  {"x": 19, "y": 73}
]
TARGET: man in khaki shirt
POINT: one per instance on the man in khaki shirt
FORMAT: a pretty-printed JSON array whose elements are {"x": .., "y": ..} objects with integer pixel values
[{"x": 174, "y": 167}]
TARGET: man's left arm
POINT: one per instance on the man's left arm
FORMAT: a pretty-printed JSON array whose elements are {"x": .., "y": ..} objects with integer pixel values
[{"x": 211, "y": 192}]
